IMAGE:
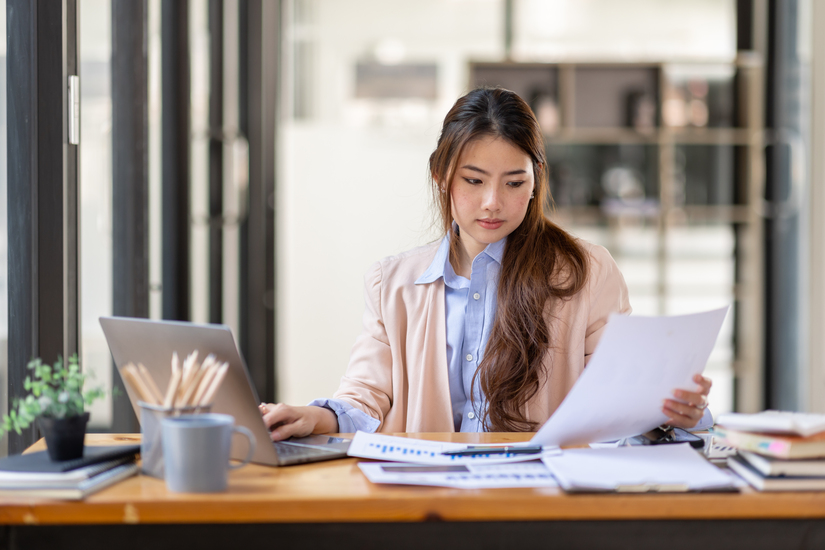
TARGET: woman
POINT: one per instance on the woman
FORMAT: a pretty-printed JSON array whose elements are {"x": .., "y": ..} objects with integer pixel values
[{"x": 488, "y": 329}]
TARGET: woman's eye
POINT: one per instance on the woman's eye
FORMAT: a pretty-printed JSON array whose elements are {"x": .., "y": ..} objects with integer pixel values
[
  {"x": 515, "y": 183},
  {"x": 472, "y": 181}
]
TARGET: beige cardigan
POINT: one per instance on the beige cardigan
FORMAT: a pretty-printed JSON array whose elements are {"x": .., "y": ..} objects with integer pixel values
[{"x": 398, "y": 367}]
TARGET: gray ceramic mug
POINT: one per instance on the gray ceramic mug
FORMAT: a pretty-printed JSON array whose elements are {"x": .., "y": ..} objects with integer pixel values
[{"x": 196, "y": 451}]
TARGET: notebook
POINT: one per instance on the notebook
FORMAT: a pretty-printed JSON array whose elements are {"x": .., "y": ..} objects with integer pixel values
[
  {"x": 40, "y": 462},
  {"x": 74, "y": 489},
  {"x": 746, "y": 471}
]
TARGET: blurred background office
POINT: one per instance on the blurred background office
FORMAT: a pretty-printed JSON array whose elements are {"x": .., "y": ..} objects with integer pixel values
[{"x": 245, "y": 161}]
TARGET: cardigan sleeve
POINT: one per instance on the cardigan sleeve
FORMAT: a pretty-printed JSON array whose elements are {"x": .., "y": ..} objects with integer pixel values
[
  {"x": 367, "y": 383},
  {"x": 607, "y": 293},
  {"x": 350, "y": 419}
]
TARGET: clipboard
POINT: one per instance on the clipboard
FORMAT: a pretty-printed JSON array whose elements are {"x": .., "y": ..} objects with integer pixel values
[{"x": 637, "y": 469}]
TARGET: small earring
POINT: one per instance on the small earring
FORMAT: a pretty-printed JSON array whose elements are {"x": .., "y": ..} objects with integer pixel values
[
  {"x": 443, "y": 190},
  {"x": 533, "y": 195}
]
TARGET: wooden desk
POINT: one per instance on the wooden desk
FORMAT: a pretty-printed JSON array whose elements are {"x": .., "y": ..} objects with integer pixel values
[{"x": 332, "y": 504}]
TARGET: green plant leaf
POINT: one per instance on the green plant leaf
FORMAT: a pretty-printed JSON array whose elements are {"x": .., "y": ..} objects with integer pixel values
[{"x": 54, "y": 391}]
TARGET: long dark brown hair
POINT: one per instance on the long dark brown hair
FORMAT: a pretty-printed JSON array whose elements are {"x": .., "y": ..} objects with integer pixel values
[{"x": 542, "y": 264}]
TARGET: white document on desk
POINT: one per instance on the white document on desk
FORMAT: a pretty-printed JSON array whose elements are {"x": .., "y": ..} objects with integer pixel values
[
  {"x": 637, "y": 363},
  {"x": 645, "y": 468},
  {"x": 420, "y": 451},
  {"x": 461, "y": 476}
]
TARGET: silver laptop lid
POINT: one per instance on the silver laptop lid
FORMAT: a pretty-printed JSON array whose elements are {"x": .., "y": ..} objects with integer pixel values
[{"x": 153, "y": 342}]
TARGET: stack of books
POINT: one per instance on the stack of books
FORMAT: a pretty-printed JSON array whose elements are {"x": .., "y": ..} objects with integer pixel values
[
  {"x": 36, "y": 475},
  {"x": 777, "y": 450}
]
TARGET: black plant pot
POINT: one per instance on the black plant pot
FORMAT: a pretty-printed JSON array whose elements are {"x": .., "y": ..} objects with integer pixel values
[{"x": 64, "y": 436}]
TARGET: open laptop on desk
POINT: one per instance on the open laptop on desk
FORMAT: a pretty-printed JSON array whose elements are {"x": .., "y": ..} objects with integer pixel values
[{"x": 153, "y": 343}]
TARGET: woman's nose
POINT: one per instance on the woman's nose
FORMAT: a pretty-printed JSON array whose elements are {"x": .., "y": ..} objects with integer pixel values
[{"x": 491, "y": 199}]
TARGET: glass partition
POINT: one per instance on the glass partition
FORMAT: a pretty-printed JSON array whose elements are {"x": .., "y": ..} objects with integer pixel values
[{"x": 95, "y": 194}]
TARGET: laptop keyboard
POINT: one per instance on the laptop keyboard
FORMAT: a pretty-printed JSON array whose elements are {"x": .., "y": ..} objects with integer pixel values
[{"x": 290, "y": 453}]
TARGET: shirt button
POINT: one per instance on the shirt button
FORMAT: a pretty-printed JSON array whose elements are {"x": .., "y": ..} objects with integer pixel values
[
  {"x": 476, "y": 296},
  {"x": 471, "y": 415},
  {"x": 469, "y": 357}
]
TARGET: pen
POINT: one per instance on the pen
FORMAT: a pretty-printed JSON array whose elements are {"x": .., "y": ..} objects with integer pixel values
[{"x": 487, "y": 450}]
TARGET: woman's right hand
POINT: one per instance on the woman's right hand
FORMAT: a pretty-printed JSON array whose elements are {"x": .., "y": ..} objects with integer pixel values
[{"x": 285, "y": 421}]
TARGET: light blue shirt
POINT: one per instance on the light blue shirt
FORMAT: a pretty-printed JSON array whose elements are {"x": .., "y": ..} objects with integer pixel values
[{"x": 470, "y": 308}]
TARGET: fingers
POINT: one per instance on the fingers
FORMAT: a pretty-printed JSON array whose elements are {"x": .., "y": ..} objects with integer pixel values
[
  {"x": 682, "y": 415},
  {"x": 704, "y": 383},
  {"x": 688, "y": 407},
  {"x": 299, "y": 428},
  {"x": 694, "y": 399},
  {"x": 285, "y": 421}
]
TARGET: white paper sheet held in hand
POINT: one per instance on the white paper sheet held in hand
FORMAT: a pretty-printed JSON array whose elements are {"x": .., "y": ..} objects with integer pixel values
[{"x": 637, "y": 364}]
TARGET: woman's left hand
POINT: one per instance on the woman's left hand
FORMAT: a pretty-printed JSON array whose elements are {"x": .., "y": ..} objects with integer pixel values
[{"x": 689, "y": 406}]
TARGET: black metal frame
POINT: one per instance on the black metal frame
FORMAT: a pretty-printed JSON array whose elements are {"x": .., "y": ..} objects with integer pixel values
[
  {"x": 130, "y": 182},
  {"x": 260, "y": 24},
  {"x": 42, "y": 190},
  {"x": 785, "y": 87},
  {"x": 216, "y": 143},
  {"x": 176, "y": 159}
]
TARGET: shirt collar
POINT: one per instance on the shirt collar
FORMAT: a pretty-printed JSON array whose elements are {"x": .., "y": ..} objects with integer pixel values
[
  {"x": 436, "y": 269},
  {"x": 441, "y": 267}
]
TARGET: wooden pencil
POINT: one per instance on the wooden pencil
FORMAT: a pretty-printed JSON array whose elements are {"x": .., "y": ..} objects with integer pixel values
[
  {"x": 213, "y": 387},
  {"x": 150, "y": 383},
  {"x": 130, "y": 373},
  {"x": 205, "y": 382},
  {"x": 194, "y": 380},
  {"x": 172, "y": 390}
]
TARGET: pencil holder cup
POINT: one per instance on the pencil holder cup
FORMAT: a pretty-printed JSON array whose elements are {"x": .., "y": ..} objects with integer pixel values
[{"x": 151, "y": 441}]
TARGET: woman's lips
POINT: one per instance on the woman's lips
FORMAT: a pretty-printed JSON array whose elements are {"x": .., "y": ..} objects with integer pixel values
[{"x": 490, "y": 223}]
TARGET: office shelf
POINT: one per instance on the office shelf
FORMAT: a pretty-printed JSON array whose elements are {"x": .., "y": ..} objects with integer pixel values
[{"x": 662, "y": 149}]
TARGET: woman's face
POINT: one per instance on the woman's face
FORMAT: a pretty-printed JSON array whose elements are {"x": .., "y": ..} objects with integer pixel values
[{"x": 490, "y": 191}]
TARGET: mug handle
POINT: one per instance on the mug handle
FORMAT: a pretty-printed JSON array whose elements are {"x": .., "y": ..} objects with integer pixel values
[{"x": 244, "y": 431}]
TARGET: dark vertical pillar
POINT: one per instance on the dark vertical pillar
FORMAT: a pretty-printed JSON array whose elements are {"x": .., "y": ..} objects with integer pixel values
[
  {"x": 71, "y": 225},
  {"x": 216, "y": 138},
  {"x": 785, "y": 90},
  {"x": 744, "y": 42},
  {"x": 744, "y": 25},
  {"x": 130, "y": 187},
  {"x": 176, "y": 156},
  {"x": 42, "y": 172},
  {"x": 259, "y": 92}
]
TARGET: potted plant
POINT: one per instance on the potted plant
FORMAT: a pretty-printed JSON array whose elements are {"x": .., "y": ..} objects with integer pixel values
[{"x": 57, "y": 401}]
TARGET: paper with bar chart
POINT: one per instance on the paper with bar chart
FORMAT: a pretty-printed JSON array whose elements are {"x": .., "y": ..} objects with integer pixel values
[
  {"x": 419, "y": 451},
  {"x": 461, "y": 476}
]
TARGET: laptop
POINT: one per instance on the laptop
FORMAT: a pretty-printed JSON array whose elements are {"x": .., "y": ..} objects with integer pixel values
[{"x": 153, "y": 343}]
